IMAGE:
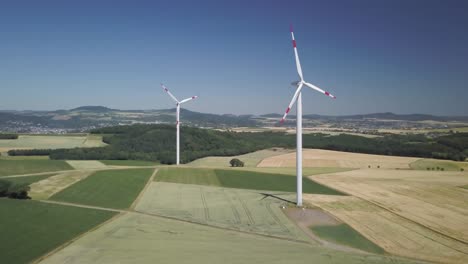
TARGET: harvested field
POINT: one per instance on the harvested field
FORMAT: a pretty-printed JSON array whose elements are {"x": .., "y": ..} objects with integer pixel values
[
  {"x": 432, "y": 199},
  {"x": 250, "y": 159},
  {"x": 112, "y": 188},
  {"x": 433, "y": 164},
  {"x": 237, "y": 209},
  {"x": 27, "y": 166},
  {"x": 47, "y": 187},
  {"x": 329, "y": 158},
  {"x": 389, "y": 231},
  {"x": 86, "y": 164},
  {"x": 134, "y": 238},
  {"x": 30, "y": 229},
  {"x": 50, "y": 142}
]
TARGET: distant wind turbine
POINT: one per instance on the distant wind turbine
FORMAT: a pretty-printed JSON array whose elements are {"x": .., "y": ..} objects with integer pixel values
[
  {"x": 178, "y": 103},
  {"x": 298, "y": 98}
]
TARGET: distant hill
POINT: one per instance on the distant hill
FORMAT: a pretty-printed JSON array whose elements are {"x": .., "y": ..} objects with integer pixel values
[
  {"x": 85, "y": 118},
  {"x": 93, "y": 109}
]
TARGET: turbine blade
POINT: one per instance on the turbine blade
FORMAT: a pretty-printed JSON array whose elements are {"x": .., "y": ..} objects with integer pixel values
[
  {"x": 293, "y": 100},
  {"x": 298, "y": 63},
  {"x": 319, "y": 90},
  {"x": 188, "y": 99},
  {"x": 169, "y": 93}
]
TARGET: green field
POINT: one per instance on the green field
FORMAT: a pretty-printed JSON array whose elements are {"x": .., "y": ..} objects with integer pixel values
[
  {"x": 26, "y": 166},
  {"x": 129, "y": 163},
  {"x": 110, "y": 188},
  {"x": 245, "y": 210},
  {"x": 249, "y": 159},
  {"x": 241, "y": 179},
  {"x": 292, "y": 171},
  {"x": 345, "y": 235},
  {"x": 28, "y": 179},
  {"x": 447, "y": 165},
  {"x": 51, "y": 142},
  {"x": 134, "y": 238},
  {"x": 30, "y": 229}
]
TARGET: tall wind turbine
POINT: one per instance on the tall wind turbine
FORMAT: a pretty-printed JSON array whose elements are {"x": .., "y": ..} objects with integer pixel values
[
  {"x": 298, "y": 98},
  {"x": 178, "y": 103}
]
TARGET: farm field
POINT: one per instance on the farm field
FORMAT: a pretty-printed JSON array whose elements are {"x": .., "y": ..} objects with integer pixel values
[
  {"x": 111, "y": 188},
  {"x": 27, "y": 166},
  {"x": 433, "y": 164},
  {"x": 394, "y": 234},
  {"x": 51, "y": 142},
  {"x": 30, "y": 229},
  {"x": 47, "y": 187},
  {"x": 432, "y": 199},
  {"x": 329, "y": 158},
  {"x": 345, "y": 235},
  {"x": 135, "y": 238},
  {"x": 28, "y": 179},
  {"x": 128, "y": 163},
  {"x": 238, "y": 179},
  {"x": 86, "y": 164},
  {"x": 245, "y": 210},
  {"x": 249, "y": 159}
]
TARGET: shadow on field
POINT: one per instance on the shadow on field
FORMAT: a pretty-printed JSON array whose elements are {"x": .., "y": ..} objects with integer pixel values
[{"x": 266, "y": 195}]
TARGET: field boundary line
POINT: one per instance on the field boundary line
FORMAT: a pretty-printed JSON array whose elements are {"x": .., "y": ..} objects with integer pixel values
[
  {"x": 148, "y": 183},
  {"x": 67, "y": 243}
]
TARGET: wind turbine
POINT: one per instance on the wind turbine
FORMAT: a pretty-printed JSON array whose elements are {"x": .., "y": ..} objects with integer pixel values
[
  {"x": 178, "y": 103},
  {"x": 298, "y": 98}
]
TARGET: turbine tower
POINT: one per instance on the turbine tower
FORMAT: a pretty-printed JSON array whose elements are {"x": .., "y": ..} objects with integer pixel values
[
  {"x": 178, "y": 103},
  {"x": 298, "y": 98}
]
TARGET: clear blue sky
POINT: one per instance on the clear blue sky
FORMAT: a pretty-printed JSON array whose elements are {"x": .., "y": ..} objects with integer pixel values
[{"x": 375, "y": 56}]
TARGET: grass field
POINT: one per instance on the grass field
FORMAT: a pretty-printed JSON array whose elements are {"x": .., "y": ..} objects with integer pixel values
[
  {"x": 447, "y": 165},
  {"x": 16, "y": 167},
  {"x": 244, "y": 210},
  {"x": 51, "y": 142},
  {"x": 328, "y": 158},
  {"x": 249, "y": 159},
  {"x": 28, "y": 179},
  {"x": 134, "y": 238},
  {"x": 395, "y": 234},
  {"x": 111, "y": 188},
  {"x": 345, "y": 235},
  {"x": 30, "y": 229},
  {"x": 129, "y": 163},
  {"x": 239, "y": 179}
]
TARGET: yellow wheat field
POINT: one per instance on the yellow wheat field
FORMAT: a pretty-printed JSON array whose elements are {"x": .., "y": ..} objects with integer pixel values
[{"x": 329, "y": 158}]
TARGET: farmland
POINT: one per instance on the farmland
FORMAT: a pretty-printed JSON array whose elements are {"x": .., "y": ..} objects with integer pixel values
[
  {"x": 244, "y": 210},
  {"x": 51, "y": 142},
  {"x": 141, "y": 238},
  {"x": 26, "y": 166},
  {"x": 113, "y": 188},
  {"x": 30, "y": 229},
  {"x": 250, "y": 159},
  {"x": 329, "y": 158},
  {"x": 239, "y": 179},
  {"x": 420, "y": 214}
]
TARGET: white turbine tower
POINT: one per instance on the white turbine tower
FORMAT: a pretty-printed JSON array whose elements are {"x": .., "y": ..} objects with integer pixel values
[
  {"x": 178, "y": 103},
  {"x": 298, "y": 97}
]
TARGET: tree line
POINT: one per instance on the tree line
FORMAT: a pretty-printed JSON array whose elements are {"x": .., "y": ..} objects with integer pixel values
[
  {"x": 8, "y": 136},
  {"x": 157, "y": 143}
]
